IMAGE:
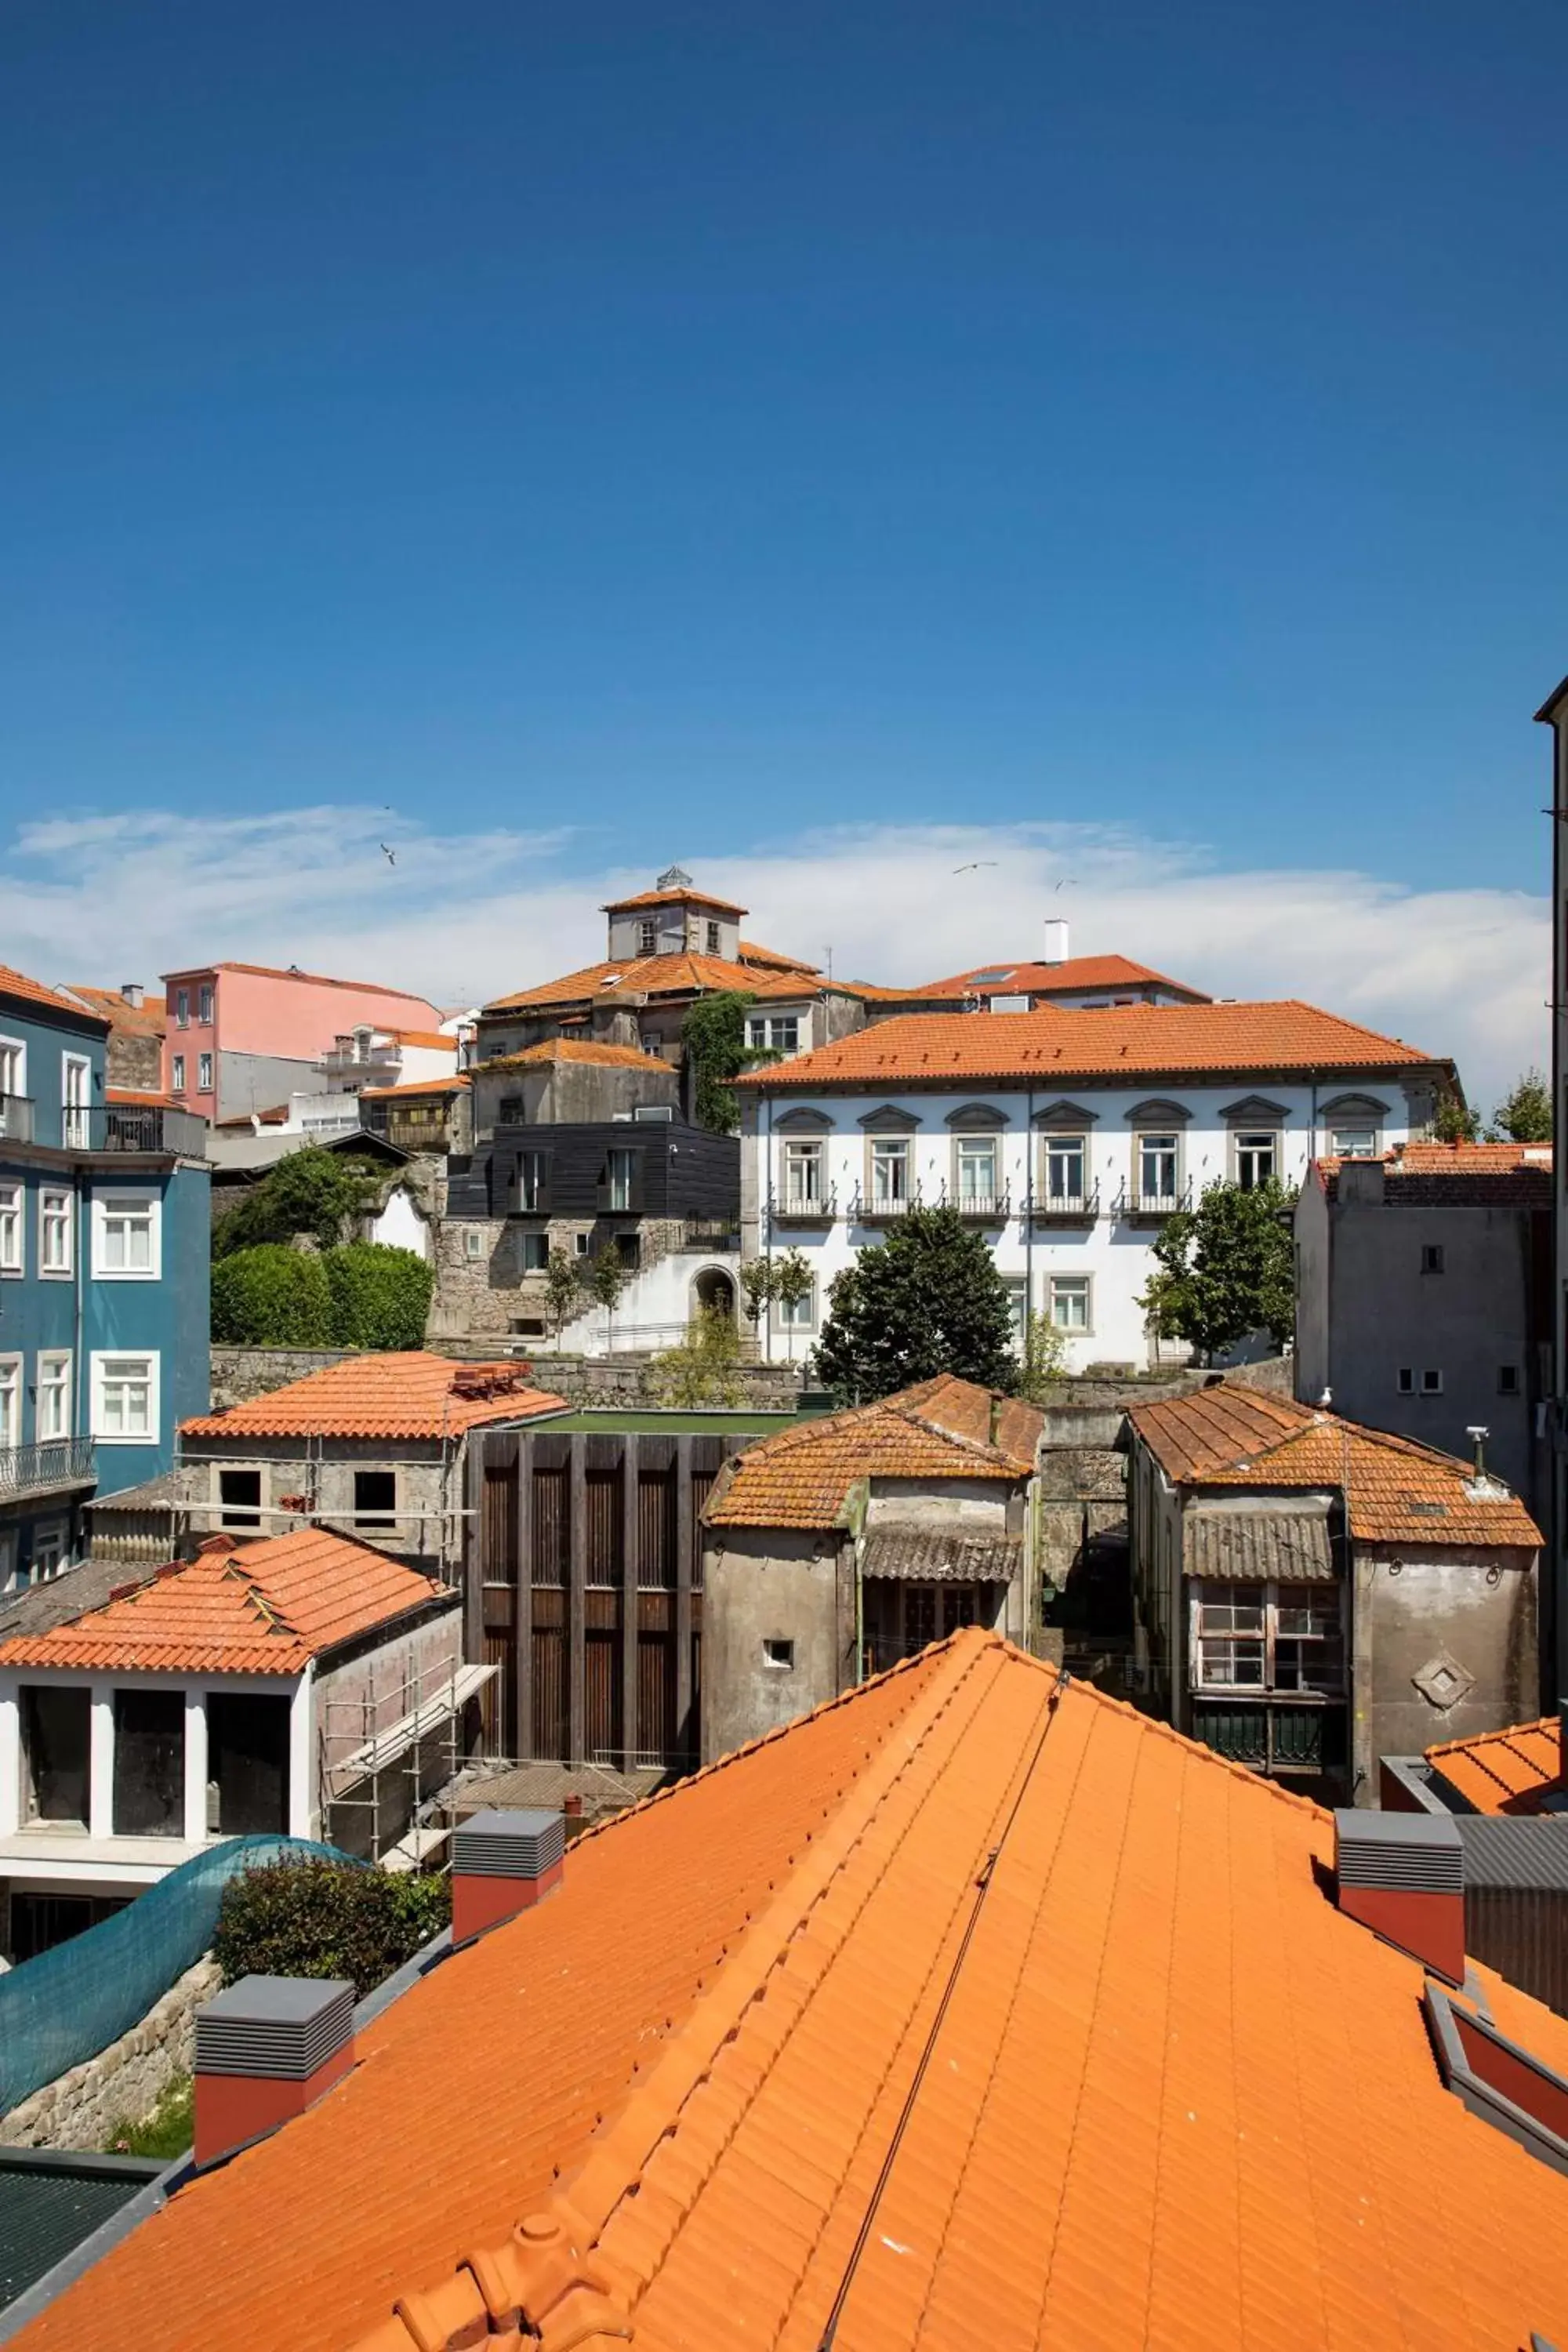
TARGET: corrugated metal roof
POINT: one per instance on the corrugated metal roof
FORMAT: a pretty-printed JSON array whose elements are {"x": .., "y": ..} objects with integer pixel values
[
  {"x": 50, "y": 2203},
  {"x": 1500, "y": 1851},
  {"x": 1252, "y": 1545},
  {"x": 931, "y": 1555}
]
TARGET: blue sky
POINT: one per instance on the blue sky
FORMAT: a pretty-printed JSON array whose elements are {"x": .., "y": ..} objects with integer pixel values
[{"x": 677, "y": 431}]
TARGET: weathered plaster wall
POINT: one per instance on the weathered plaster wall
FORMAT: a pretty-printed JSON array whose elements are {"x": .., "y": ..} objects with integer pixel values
[
  {"x": 773, "y": 1584},
  {"x": 1409, "y": 1614}
]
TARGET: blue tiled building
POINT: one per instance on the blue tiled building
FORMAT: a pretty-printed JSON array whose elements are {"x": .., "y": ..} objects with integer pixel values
[{"x": 104, "y": 1248}]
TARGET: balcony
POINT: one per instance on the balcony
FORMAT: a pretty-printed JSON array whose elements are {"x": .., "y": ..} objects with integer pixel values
[
  {"x": 1153, "y": 1208},
  {"x": 884, "y": 1209},
  {"x": 804, "y": 1209},
  {"x": 980, "y": 1208},
  {"x": 40, "y": 1469},
  {"x": 1066, "y": 1208},
  {"x": 152, "y": 1128},
  {"x": 15, "y": 1118}
]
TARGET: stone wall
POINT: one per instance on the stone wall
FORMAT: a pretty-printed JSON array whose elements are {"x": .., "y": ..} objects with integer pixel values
[
  {"x": 623, "y": 1381},
  {"x": 86, "y": 2107}
]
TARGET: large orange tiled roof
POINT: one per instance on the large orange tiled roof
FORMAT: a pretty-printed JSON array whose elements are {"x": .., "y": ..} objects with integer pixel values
[
  {"x": 661, "y": 975},
  {"x": 452, "y": 1082},
  {"x": 1505, "y": 1771},
  {"x": 267, "y": 1608},
  {"x": 1165, "y": 2093},
  {"x": 411, "y": 1395},
  {"x": 1398, "y": 1491},
  {"x": 1125, "y": 1042},
  {"x": 148, "y": 1019},
  {"x": 575, "y": 1049},
  {"x": 33, "y": 992},
  {"x": 686, "y": 898},
  {"x": 938, "y": 1429},
  {"x": 1076, "y": 972},
  {"x": 1451, "y": 1175},
  {"x": 752, "y": 952}
]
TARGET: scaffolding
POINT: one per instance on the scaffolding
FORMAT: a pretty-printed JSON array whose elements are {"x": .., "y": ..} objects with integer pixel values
[{"x": 397, "y": 1769}]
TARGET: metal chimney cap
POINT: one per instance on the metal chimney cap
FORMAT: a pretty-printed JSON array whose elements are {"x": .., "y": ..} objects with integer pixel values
[
  {"x": 276, "y": 2001},
  {"x": 526, "y": 1843},
  {"x": 1422, "y": 1853}
]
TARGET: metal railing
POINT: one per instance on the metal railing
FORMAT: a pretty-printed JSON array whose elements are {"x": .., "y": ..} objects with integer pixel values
[
  {"x": 1142, "y": 1205},
  {"x": 17, "y": 1118},
  {"x": 145, "y": 1127},
  {"x": 59, "y": 1462},
  {"x": 789, "y": 1208},
  {"x": 980, "y": 1208},
  {"x": 1066, "y": 1207},
  {"x": 881, "y": 1208}
]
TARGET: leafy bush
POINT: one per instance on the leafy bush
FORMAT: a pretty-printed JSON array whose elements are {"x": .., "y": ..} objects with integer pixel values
[
  {"x": 311, "y": 1191},
  {"x": 703, "y": 1370},
  {"x": 326, "y": 1919},
  {"x": 272, "y": 1296},
  {"x": 928, "y": 1300},
  {"x": 380, "y": 1297},
  {"x": 714, "y": 1035}
]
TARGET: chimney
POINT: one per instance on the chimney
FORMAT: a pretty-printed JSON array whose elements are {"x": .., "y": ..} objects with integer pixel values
[
  {"x": 1056, "y": 942},
  {"x": 1402, "y": 1876},
  {"x": 133, "y": 992},
  {"x": 266, "y": 2049},
  {"x": 502, "y": 1863},
  {"x": 1477, "y": 1434}
]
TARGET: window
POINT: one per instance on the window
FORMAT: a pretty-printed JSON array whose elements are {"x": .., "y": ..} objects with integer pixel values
[
  {"x": 648, "y": 938},
  {"x": 473, "y": 1242},
  {"x": 798, "y": 1314},
  {"x": 57, "y": 1747},
  {"x": 1157, "y": 1157},
  {"x": 183, "y": 1007},
  {"x": 1070, "y": 1297},
  {"x": 582, "y": 1241},
  {"x": 1353, "y": 1142},
  {"x": 1508, "y": 1380},
  {"x": 536, "y": 1251},
  {"x": 1257, "y": 1158},
  {"x": 712, "y": 938},
  {"x": 76, "y": 1098},
  {"x": 10, "y": 1401},
  {"x": 1277, "y": 1637},
  {"x": 620, "y": 1178},
  {"x": 803, "y": 1175},
  {"x": 376, "y": 1499},
  {"x": 13, "y": 1066},
  {"x": 126, "y": 1235},
  {"x": 533, "y": 1180},
  {"x": 890, "y": 1171},
  {"x": 1017, "y": 1289},
  {"x": 1405, "y": 1380},
  {"x": 1066, "y": 1161},
  {"x": 247, "y": 1761},
  {"x": 177, "y": 1074},
  {"x": 205, "y": 1005},
  {"x": 11, "y": 1229},
  {"x": 1431, "y": 1383},
  {"x": 149, "y": 1763},
  {"x": 12, "y": 1578},
  {"x": 56, "y": 1222},
  {"x": 204, "y": 1074},
  {"x": 239, "y": 1496},
  {"x": 976, "y": 1168},
  {"x": 779, "y": 1655},
  {"x": 1432, "y": 1258},
  {"x": 778, "y": 1034},
  {"x": 125, "y": 1400},
  {"x": 51, "y": 1544},
  {"x": 52, "y": 1405}
]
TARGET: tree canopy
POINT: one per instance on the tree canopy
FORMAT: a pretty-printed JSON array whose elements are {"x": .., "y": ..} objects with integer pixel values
[
  {"x": 311, "y": 1191},
  {"x": 1225, "y": 1268},
  {"x": 1524, "y": 1116},
  {"x": 928, "y": 1299},
  {"x": 714, "y": 1034}
]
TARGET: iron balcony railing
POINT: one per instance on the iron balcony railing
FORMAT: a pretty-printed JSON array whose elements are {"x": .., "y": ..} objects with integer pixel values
[
  {"x": 143, "y": 1127},
  {"x": 60, "y": 1461},
  {"x": 17, "y": 1118},
  {"x": 980, "y": 1208},
  {"x": 790, "y": 1208},
  {"x": 1077, "y": 1208},
  {"x": 1140, "y": 1208},
  {"x": 882, "y": 1209}
]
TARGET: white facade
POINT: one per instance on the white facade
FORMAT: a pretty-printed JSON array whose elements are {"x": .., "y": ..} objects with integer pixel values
[{"x": 1069, "y": 1187}]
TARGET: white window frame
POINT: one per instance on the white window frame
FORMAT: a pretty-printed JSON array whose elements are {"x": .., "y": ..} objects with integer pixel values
[
  {"x": 63, "y": 1272},
  {"x": 101, "y": 1269},
  {"x": 1016, "y": 1285},
  {"x": 204, "y": 1074},
  {"x": 803, "y": 1172},
  {"x": 18, "y": 1046},
  {"x": 76, "y": 1101},
  {"x": 54, "y": 1368},
  {"x": 890, "y": 1151},
  {"x": 777, "y": 1032},
  {"x": 1347, "y": 1142},
  {"x": 177, "y": 1074},
  {"x": 100, "y": 1360},
  {"x": 1167, "y": 1141},
  {"x": 1075, "y": 1286},
  {"x": 13, "y": 1401},
  {"x": 966, "y": 1149},
  {"x": 1264, "y": 1597},
  {"x": 12, "y": 1229},
  {"x": 1248, "y": 1145},
  {"x": 1061, "y": 1148},
  {"x": 798, "y": 1318}
]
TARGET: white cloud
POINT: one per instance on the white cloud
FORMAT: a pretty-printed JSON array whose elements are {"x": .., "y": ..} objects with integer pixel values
[{"x": 461, "y": 916}]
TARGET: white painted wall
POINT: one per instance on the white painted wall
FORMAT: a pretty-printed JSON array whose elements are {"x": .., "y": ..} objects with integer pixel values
[
  {"x": 400, "y": 1224},
  {"x": 655, "y": 1306}
]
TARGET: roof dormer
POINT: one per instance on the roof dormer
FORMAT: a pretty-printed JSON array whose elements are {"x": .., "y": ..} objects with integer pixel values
[{"x": 673, "y": 918}]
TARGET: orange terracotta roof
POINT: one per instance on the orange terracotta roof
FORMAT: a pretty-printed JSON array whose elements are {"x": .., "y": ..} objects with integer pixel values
[
  {"x": 1504, "y": 1771},
  {"x": 1454, "y": 1175},
  {"x": 267, "y": 1608},
  {"x": 1132, "y": 1042},
  {"x": 1399, "y": 1492},
  {"x": 1077, "y": 973},
  {"x": 148, "y": 1019},
  {"x": 1468, "y": 1158},
  {"x": 938, "y": 1429},
  {"x": 452, "y": 1083},
  {"x": 33, "y": 992},
  {"x": 576, "y": 1049},
  {"x": 1166, "y": 2094},
  {"x": 316, "y": 979},
  {"x": 152, "y": 1101},
  {"x": 752, "y": 953},
  {"x": 432, "y": 1040},
  {"x": 413, "y": 1396},
  {"x": 689, "y": 897},
  {"x": 663, "y": 975}
]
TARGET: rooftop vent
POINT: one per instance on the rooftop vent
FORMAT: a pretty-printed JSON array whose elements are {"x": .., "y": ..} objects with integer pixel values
[
  {"x": 133, "y": 992},
  {"x": 1056, "y": 942},
  {"x": 266, "y": 2049},
  {"x": 1402, "y": 1876},
  {"x": 503, "y": 1861}
]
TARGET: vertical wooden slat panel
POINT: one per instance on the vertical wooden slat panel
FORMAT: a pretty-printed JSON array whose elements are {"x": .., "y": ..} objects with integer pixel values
[
  {"x": 603, "y": 1545},
  {"x": 551, "y": 1515},
  {"x": 498, "y": 1531},
  {"x": 576, "y": 1587},
  {"x": 470, "y": 1551},
  {"x": 600, "y": 1672},
  {"x": 631, "y": 1496},
  {"x": 549, "y": 1675},
  {"x": 685, "y": 1728},
  {"x": 521, "y": 1664},
  {"x": 656, "y": 1526}
]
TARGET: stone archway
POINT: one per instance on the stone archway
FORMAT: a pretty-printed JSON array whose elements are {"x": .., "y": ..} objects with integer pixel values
[{"x": 713, "y": 1286}]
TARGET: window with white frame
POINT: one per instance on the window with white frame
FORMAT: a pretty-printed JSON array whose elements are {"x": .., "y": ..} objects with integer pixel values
[
  {"x": 1275, "y": 1637},
  {"x": 127, "y": 1236},
  {"x": 76, "y": 1099},
  {"x": 1256, "y": 1159},
  {"x": 777, "y": 1032},
  {"x": 977, "y": 1168},
  {"x": 1067, "y": 1164},
  {"x": 10, "y": 1401},
  {"x": 204, "y": 1074},
  {"x": 1353, "y": 1142},
  {"x": 177, "y": 1074},
  {"x": 13, "y": 1066},
  {"x": 13, "y": 1231},
  {"x": 57, "y": 1220},
  {"x": 183, "y": 1007},
  {"x": 204, "y": 1004},
  {"x": 803, "y": 1175},
  {"x": 1070, "y": 1298},
  {"x": 799, "y": 1314},
  {"x": 890, "y": 1170},
  {"x": 473, "y": 1242},
  {"x": 52, "y": 1406},
  {"x": 1156, "y": 1161},
  {"x": 1017, "y": 1289},
  {"x": 124, "y": 1398}
]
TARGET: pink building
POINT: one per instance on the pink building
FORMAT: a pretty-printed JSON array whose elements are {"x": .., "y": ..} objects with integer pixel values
[{"x": 242, "y": 1037}]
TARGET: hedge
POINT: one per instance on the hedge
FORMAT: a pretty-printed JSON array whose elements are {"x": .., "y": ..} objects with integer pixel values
[
  {"x": 326, "y": 1919},
  {"x": 363, "y": 1296}
]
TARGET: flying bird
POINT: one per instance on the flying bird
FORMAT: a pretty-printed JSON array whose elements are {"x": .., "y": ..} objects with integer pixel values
[
  {"x": 390, "y": 855},
  {"x": 974, "y": 865},
  {"x": 1065, "y": 884}
]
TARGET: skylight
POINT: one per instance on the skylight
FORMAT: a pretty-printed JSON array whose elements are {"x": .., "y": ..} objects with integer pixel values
[{"x": 998, "y": 972}]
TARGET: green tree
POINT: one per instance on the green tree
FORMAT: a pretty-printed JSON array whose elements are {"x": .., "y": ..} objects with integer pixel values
[
  {"x": 562, "y": 1287},
  {"x": 1225, "y": 1268},
  {"x": 1454, "y": 1121},
  {"x": 704, "y": 1369},
  {"x": 758, "y": 1287},
  {"x": 380, "y": 1297},
  {"x": 714, "y": 1035},
  {"x": 607, "y": 1278},
  {"x": 1044, "y": 1361},
  {"x": 1524, "y": 1116},
  {"x": 314, "y": 1192},
  {"x": 793, "y": 1279},
  {"x": 272, "y": 1296},
  {"x": 928, "y": 1300}
]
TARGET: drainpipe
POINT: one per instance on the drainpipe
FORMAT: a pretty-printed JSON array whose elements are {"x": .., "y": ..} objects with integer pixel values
[
  {"x": 1029, "y": 1210},
  {"x": 765, "y": 1221},
  {"x": 859, "y": 1615}
]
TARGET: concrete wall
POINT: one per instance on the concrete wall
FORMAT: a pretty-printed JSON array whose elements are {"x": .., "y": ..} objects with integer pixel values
[
  {"x": 428, "y": 1495},
  {"x": 86, "y": 2107},
  {"x": 772, "y": 1584},
  {"x": 568, "y": 1093},
  {"x": 1406, "y": 1612},
  {"x": 239, "y": 1373}
]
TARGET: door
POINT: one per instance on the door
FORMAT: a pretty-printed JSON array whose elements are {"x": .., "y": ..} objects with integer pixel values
[{"x": 75, "y": 1096}]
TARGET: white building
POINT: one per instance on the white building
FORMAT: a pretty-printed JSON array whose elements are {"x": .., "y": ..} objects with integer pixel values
[{"x": 1065, "y": 1137}]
